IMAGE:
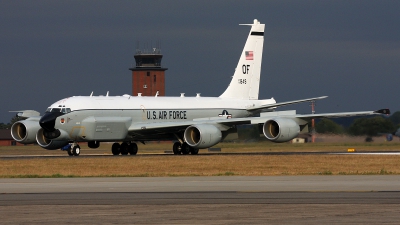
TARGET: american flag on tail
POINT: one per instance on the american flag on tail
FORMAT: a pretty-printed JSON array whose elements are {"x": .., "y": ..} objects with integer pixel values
[{"x": 249, "y": 55}]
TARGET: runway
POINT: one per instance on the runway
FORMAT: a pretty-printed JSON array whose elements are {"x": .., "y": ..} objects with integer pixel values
[
  {"x": 202, "y": 200},
  {"x": 4, "y": 157}
]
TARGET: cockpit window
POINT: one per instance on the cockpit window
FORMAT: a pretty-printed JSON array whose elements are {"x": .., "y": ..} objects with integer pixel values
[
  {"x": 63, "y": 110},
  {"x": 55, "y": 110},
  {"x": 66, "y": 110}
]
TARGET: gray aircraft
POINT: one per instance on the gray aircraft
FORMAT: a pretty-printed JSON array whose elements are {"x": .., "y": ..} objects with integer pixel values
[{"x": 193, "y": 122}]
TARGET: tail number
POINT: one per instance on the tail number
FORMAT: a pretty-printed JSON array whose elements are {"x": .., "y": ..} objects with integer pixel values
[
  {"x": 245, "y": 69},
  {"x": 242, "y": 81}
]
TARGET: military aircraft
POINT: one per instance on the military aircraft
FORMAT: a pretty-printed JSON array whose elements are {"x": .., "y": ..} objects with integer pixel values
[{"x": 193, "y": 122}]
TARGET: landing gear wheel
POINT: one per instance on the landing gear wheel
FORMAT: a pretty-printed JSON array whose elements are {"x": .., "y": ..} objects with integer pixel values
[
  {"x": 76, "y": 150},
  {"x": 194, "y": 151},
  {"x": 124, "y": 148},
  {"x": 133, "y": 149},
  {"x": 177, "y": 148},
  {"x": 93, "y": 144},
  {"x": 185, "y": 148},
  {"x": 70, "y": 152},
  {"x": 115, "y": 149}
]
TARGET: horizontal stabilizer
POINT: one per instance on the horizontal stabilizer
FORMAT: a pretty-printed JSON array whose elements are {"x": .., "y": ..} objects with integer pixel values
[
  {"x": 26, "y": 113},
  {"x": 274, "y": 105}
]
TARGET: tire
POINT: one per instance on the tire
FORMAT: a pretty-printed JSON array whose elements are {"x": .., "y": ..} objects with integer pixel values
[
  {"x": 93, "y": 144},
  {"x": 124, "y": 148},
  {"x": 76, "y": 150},
  {"x": 133, "y": 149},
  {"x": 177, "y": 148},
  {"x": 194, "y": 151},
  {"x": 69, "y": 151},
  {"x": 115, "y": 149},
  {"x": 185, "y": 148}
]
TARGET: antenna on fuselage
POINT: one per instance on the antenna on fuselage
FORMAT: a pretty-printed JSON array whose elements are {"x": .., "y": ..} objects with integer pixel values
[
  {"x": 91, "y": 94},
  {"x": 156, "y": 94},
  {"x": 107, "y": 94}
]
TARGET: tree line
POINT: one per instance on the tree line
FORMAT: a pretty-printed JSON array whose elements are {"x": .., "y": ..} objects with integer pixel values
[{"x": 8, "y": 125}]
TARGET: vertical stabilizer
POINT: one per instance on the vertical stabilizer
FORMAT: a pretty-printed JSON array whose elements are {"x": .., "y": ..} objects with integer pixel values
[{"x": 246, "y": 80}]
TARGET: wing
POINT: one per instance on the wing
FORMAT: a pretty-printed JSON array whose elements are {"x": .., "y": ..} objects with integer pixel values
[
  {"x": 273, "y": 123},
  {"x": 224, "y": 123}
]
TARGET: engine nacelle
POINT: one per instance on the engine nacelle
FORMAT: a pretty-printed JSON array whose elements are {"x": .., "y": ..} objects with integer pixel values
[
  {"x": 24, "y": 131},
  {"x": 202, "y": 135},
  {"x": 52, "y": 144},
  {"x": 281, "y": 129}
]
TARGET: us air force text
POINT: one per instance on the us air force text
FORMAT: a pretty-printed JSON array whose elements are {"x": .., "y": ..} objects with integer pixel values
[{"x": 166, "y": 115}]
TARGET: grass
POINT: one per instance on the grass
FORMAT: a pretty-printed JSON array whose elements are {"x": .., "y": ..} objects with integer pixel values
[
  {"x": 214, "y": 165},
  {"x": 144, "y": 165}
]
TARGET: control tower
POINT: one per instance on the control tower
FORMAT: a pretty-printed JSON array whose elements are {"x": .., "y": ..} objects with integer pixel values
[{"x": 148, "y": 77}]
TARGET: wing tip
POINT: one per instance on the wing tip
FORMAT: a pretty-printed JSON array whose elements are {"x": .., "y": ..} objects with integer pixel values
[{"x": 383, "y": 111}]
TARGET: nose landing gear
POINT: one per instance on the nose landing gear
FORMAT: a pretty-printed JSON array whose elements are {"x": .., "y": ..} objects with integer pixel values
[{"x": 73, "y": 149}]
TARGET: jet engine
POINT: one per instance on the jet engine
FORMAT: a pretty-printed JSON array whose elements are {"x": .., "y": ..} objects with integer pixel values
[
  {"x": 24, "y": 131},
  {"x": 202, "y": 135},
  {"x": 281, "y": 129},
  {"x": 52, "y": 144}
]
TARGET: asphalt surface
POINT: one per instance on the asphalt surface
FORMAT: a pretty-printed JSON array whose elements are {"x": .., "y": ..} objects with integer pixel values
[
  {"x": 91, "y": 155},
  {"x": 202, "y": 200}
]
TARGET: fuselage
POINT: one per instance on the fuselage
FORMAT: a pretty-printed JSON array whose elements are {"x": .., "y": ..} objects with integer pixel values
[{"x": 146, "y": 109}]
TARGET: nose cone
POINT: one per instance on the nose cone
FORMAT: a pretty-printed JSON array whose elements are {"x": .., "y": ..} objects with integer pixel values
[{"x": 48, "y": 121}]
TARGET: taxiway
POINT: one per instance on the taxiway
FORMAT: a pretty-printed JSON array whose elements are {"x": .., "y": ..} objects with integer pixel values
[{"x": 202, "y": 200}]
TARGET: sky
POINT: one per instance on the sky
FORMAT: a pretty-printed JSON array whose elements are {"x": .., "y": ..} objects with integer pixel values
[{"x": 347, "y": 50}]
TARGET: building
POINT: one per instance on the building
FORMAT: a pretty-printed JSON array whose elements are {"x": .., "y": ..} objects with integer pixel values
[
  {"x": 6, "y": 138},
  {"x": 148, "y": 77}
]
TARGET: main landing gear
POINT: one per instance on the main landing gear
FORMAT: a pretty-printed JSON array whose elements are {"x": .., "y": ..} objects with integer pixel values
[
  {"x": 124, "y": 148},
  {"x": 184, "y": 149}
]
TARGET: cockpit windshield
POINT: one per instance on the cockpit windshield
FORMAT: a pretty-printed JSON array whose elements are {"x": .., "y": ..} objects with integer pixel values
[{"x": 62, "y": 110}]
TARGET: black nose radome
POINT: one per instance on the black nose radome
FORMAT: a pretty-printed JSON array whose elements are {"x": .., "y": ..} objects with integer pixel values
[{"x": 48, "y": 120}]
